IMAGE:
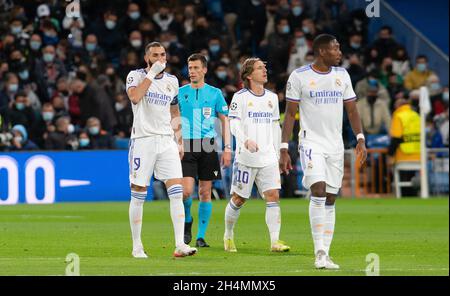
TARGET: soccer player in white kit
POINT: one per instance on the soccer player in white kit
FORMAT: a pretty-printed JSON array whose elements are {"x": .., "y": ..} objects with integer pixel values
[
  {"x": 254, "y": 121},
  {"x": 321, "y": 90},
  {"x": 153, "y": 94}
]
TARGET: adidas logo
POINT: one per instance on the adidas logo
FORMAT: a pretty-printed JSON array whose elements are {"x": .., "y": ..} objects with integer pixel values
[{"x": 215, "y": 173}]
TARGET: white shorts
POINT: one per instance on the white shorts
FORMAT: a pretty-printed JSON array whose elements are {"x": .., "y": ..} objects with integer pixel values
[
  {"x": 266, "y": 178},
  {"x": 156, "y": 155},
  {"x": 321, "y": 167}
]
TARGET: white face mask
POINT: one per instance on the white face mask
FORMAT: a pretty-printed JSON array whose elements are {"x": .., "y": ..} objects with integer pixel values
[
  {"x": 136, "y": 43},
  {"x": 70, "y": 129},
  {"x": 18, "y": 139},
  {"x": 119, "y": 106}
]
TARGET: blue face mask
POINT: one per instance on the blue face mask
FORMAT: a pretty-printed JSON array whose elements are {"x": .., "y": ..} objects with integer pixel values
[
  {"x": 90, "y": 46},
  {"x": 110, "y": 24},
  {"x": 135, "y": 15},
  {"x": 214, "y": 48},
  {"x": 16, "y": 30},
  {"x": 94, "y": 130},
  {"x": 421, "y": 67},
  {"x": 222, "y": 75},
  {"x": 35, "y": 45},
  {"x": 47, "y": 116},
  {"x": 285, "y": 30},
  {"x": 306, "y": 30},
  {"x": 24, "y": 75},
  {"x": 20, "y": 106},
  {"x": 297, "y": 10},
  {"x": 84, "y": 142},
  {"x": 355, "y": 45},
  {"x": 445, "y": 96},
  {"x": 13, "y": 88},
  {"x": 435, "y": 86},
  {"x": 48, "y": 57},
  {"x": 301, "y": 41}
]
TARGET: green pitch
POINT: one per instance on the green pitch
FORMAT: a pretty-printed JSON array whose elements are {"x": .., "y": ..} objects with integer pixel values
[{"x": 410, "y": 236}]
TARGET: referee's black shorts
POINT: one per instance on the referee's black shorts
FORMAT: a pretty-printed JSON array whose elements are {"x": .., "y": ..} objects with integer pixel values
[{"x": 201, "y": 159}]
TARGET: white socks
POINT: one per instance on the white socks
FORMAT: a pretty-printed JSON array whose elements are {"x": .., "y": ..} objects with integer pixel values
[
  {"x": 175, "y": 193},
  {"x": 231, "y": 216},
  {"x": 273, "y": 220},
  {"x": 317, "y": 220},
  {"x": 330, "y": 219},
  {"x": 135, "y": 213}
]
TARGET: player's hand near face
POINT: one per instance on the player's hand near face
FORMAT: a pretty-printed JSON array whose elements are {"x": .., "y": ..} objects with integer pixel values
[
  {"x": 361, "y": 152},
  {"x": 285, "y": 162},
  {"x": 251, "y": 146}
]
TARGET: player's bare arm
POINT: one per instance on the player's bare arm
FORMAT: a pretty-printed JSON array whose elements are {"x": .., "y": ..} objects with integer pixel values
[
  {"x": 288, "y": 126},
  {"x": 355, "y": 122},
  {"x": 226, "y": 155},
  {"x": 176, "y": 126}
]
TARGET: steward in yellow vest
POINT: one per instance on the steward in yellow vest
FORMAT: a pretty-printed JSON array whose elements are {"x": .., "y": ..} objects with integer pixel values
[{"x": 405, "y": 133}]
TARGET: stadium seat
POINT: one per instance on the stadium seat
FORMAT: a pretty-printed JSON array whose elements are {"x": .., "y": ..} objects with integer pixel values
[{"x": 404, "y": 166}]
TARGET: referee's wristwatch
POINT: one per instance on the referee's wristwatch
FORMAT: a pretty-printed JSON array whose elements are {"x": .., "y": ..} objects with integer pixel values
[{"x": 227, "y": 146}]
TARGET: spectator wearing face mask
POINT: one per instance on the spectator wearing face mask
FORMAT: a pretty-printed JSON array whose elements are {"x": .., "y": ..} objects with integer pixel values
[
  {"x": 278, "y": 48},
  {"x": 99, "y": 139},
  {"x": 299, "y": 48},
  {"x": 84, "y": 141},
  {"x": 47, "y": 72},
  {"x": 355, "y": 69},
  {"x": 385, "y": 44},
  {"x": 130, "y": 22},
  {"x": 34, "y": 50},
  {"x": 163, "y": 18},
  {"x": 298, "y": 13},
  {"x": 435, "y": 91},
  {"x": 44, "y": 125},
  {"x": 375, "y": 115},
  {"x": 111, "y": 40},
  {"x": 135, "y": 44},
  {"x": 63, "y": 137},
  {"x": 221, "y": 79},
  {"x": 20, "y": 111},
  {"x": 354, "y": 45},
  {"x": 92, "y": 54},
  {"x": 386, "y": 70},
  {"x": 16, "y": 27},
  {"x": 419, "y": 75},
  {"x": 400, "y": 62},
  {"x": 8, "y": 92},
  {"x": 20, "y": 141},
  {"x": 372, "y": 81}
]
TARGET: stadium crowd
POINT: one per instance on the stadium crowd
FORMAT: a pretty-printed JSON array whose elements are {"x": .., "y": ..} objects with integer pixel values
[{"x": 62, "y": 78}]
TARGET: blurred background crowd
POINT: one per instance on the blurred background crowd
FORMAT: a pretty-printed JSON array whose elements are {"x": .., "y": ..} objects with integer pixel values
[{"x": 62, "y": 78}]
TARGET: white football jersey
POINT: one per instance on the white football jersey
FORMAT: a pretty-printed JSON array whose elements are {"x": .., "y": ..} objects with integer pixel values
[
  {"x": 256, "y": 115},
  {"x": 152, "y": 113},
  {"x": 321, "y": 97}
]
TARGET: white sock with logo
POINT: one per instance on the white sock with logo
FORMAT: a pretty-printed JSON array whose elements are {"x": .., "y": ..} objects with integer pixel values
[
  {"x": 273, "y": 220},
  {"x": 317, "y": 221},
  {"x": 231, "y": 216},
  {"x": 175, "y": 193}
]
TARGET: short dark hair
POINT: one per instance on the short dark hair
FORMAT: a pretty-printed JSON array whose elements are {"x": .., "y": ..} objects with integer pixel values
[
  {"x": 388, "y": 28},
  {"x": 153, "y": 44},
  {"x": 20, "y": 94},
  {"x": 198, "y": 57},
  {"x": 321, "y": 41},
  {"x": 422, "y": 56}
]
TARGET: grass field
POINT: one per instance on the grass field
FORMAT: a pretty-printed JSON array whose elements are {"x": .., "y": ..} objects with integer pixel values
[{"x": 411, "y": 237}]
